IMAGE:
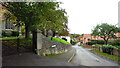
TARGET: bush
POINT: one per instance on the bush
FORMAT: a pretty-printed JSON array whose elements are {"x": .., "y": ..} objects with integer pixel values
[
  {"x": 107, "y": 50},
  {"x": 6, "y": 33},
  {"x": 98, "y": 41},
  {"x": 114, "y": 42},
  {"x": 74, "y": 42},
  {"x": 90, "y": 43},
  {"x": 15, "y": 33},
  {"x": 96, "y": 45}
]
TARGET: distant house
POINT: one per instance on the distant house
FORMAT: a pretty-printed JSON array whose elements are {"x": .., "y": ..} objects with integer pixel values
[
  {"x": 87, "y": 37},
  {"x": 117, "y": 35}
]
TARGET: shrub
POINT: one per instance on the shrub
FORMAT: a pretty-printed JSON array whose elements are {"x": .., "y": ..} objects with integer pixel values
[
  {"x": 6, "y": 33},
  {"x": 15, "y": 33},
  {"x": 90, "y": 43},
  {"x": 96, "y": 45},
  {"x": 74, "y": 42},
  {"x": 107, "y": 50},
  {"x": 114, "y": 42},
  {"x": 98, "y": 41}
]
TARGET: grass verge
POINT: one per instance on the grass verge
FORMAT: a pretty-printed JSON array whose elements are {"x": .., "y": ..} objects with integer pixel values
[
  {"x": 115, "y": 58},
  {"x": 59, "y": 40}
]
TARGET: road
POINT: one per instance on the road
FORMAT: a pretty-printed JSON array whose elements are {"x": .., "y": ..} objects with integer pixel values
[{"x": 85, "y": 57}]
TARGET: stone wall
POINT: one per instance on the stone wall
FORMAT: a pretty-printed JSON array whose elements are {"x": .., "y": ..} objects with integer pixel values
[{"x": 52, "y": 47}]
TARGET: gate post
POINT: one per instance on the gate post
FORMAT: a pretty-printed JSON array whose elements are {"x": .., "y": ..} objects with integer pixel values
[{"x": 37, "y": 41}]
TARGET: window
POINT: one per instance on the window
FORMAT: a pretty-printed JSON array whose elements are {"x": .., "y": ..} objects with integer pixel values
[{"x": 8, "y": 25}]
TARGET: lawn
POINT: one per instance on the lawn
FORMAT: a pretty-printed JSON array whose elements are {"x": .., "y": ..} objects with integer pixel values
[
  {"x": 107, "y": 55},
  {"x": 59, "y": 40}
]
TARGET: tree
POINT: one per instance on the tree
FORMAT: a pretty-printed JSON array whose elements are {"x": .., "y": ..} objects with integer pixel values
[
  {"x": 22, "y": 12},
  {"x": 56, "y": 20},
  {"x": 64, "y": 33},
  {"x": 105, "y": 31},
  {"x": 75, "y": 35},
  {"x": 31, "y": 13}
]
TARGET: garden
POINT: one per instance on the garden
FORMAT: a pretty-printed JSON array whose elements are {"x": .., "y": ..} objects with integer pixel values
[{"x": 110, "y": 51}]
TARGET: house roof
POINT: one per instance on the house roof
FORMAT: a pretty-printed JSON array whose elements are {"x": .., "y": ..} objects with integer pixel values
[
  {"x": 117, "y": 34},
  {"x": 92, "y": 37}
]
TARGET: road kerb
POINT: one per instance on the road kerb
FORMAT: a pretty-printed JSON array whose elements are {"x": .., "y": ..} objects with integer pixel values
[{"x": 71, "y": 57}]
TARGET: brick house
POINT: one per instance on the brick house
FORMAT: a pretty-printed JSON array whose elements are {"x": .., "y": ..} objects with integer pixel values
[{"x": 87, "y": 37}]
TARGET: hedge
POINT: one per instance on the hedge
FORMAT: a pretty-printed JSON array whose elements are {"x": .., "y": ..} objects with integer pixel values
[
  {"x": 15, "y": 33},
  {"x": 9, "y": 33},
  {"x": 95, "y": 42},
  {"x": 90, "y": 43},
  {"x": 107, "y": 48},
  {"x": 98, "y": 41},
  {"x": 114, "y": 42}
]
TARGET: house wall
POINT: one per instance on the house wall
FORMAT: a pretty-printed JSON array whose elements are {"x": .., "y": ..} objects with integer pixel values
[
  {"x": 5, "y": 24},
  {"x": 88, "y": 37},
  {"x": 67, "y": 37}
]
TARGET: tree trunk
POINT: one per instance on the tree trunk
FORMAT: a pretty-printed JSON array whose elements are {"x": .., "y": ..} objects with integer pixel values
[
  {"x": 106, "y": 41},
  {"x": 53, "y": 35},
  {"x": 45, "y": 32},
  {"x": 34, "y": 39},
  {"x": 26, "y": 31}
]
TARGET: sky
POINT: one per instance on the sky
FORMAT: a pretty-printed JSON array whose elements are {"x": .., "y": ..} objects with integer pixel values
[{"x": 84, "y": 15}]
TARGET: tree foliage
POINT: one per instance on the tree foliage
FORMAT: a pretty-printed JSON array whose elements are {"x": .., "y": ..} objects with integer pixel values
[
  {"x": 56, "y": 20},
  {"x": 75, "y": 35},
  {"x": 105, "y": 31},
  {"x": 42, "y": 15}
]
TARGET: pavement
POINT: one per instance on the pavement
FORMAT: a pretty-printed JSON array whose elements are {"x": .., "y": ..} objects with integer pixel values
[
  {"x": 85, "y": 57},
  {"x": 31, "y": 59},
  {"x": 77, "y": 55}
]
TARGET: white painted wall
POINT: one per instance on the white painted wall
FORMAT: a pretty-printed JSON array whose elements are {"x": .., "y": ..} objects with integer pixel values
[{"x": 67, "y": 37}]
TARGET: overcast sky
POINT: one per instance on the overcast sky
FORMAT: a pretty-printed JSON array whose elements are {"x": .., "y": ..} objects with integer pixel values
[{"x": 85, "y": 14}]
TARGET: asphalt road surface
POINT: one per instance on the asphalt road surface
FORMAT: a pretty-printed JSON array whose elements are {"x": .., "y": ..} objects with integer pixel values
[{"x": 85, "y": 57}]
